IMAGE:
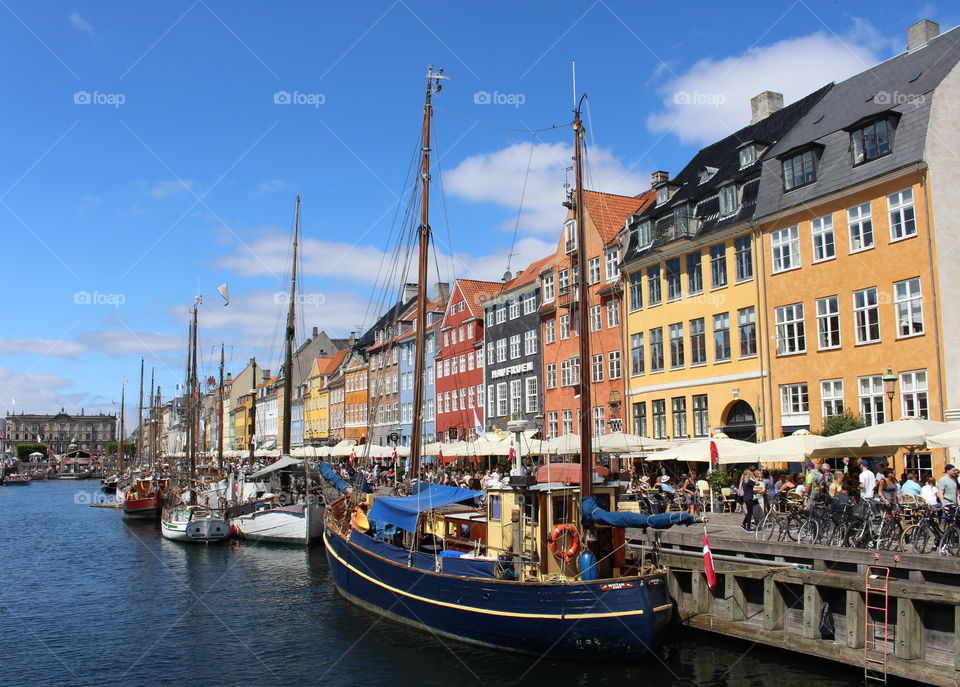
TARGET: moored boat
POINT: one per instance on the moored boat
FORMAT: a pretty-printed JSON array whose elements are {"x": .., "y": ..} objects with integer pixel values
[
  {"x": 15, "y": 479},
  {"x": 191, "y": 523},
  {"x": 143, "y": 500}
]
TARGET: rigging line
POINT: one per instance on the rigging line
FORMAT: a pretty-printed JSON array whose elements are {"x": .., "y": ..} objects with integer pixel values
[
  {"x": 523, "y": 193},
  {"x": 477, "y": 122}
]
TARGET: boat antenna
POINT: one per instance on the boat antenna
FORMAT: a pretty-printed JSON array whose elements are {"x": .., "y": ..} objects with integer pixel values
[
  {"x": 434, "y": 85},
  {"x": 291, "y": 327}
]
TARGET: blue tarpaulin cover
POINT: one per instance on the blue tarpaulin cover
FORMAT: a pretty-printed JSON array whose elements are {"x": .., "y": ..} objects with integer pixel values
[
  {"x": 329, "y": 474},
  {"x": 592, "y": 513},
  {"x": 403, "y": 511}
]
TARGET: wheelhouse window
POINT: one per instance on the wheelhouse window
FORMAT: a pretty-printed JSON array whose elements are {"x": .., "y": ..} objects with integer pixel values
[
  {"x": 870, "y": 142},
  {"x": 799, "y": 170}
]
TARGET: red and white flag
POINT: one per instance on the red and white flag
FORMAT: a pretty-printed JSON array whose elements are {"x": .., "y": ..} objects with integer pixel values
[
  {"x": 513, "y": 452},
  {"x": 353, "y": 455},
  {"x": 708, "y": 563},
  {"x": 394, "y": 452}
]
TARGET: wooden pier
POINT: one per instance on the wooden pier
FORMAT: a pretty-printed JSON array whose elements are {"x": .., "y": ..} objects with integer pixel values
[{"x": 774, "y": 594}]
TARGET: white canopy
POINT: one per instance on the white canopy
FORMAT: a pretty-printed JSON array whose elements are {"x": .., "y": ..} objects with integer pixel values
[
  {"x": 949, "y": 439},
  {"x": 886, "y": 438},
  {"x": 566, "y": 444},
  {"x": 796, "y": 447},
  {"x": 698, "y": 451},
  {"x": 283, "y": 463},
  {"x": 618, "y": 442}
]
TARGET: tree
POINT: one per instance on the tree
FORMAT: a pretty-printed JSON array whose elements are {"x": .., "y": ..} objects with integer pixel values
[
  {"x": 129, "y": 449},
  {"x": 24, "y": 450},
  {"x": 845, "y": 422}
]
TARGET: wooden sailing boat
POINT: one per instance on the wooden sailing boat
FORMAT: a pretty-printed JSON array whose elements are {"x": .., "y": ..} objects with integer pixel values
[
  {"x": 298, "y": 518},
  {"x": 505, "y": 573}
]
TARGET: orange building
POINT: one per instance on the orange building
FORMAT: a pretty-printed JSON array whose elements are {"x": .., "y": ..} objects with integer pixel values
[{"x": 605, "y": 215}]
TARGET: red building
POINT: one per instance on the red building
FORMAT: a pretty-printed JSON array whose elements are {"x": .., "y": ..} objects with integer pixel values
[{"x": 459, "y": 364}]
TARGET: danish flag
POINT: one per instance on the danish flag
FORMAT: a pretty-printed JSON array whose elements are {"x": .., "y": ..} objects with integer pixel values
[{"x": 708, "y": 563}]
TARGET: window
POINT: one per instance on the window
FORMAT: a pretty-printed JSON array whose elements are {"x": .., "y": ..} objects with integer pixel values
[
  {"x": 593, "y": 271},
  {"x": 913, "y": 393},
  {"x": 516, "y": 397},
  {"x": 568, "y": 422},
  {"x": 564, "y": 327},
  {"x": 831, "y": 396},
  {"x": 514, "y": 308},
  {"x": 501, "y": 350},
  {"x": 794, "y": 399},
  {"x": 676, "y": 345},
  {"x": 656, "y": 350},
  {"x": 743, "y": 249},
  {"x": 530, "y": 342},
  {"x": 531, "y": 402},
  {"x": 866, "y": 315},
  {"x": 828, "y": 323},
  {"x": 701, "y": 422},
  {"x": 529, "y": 305},
  {"x": 679, "y": 407},
  {"x": 470, "y": 397},
  {"x": 502, "y": 401},
  {"x": 454, "y": 405},
  {"x": 613, "y": 313},
  {"x": 728, "y": 200},
  {"x": 446, "y": 364},
  {"x": 821, "y": 231},
  {"x": 616, "y": 424},
  {"x": 785, "y": 245},
  {"x": 595, "y": 318},
  {"x": 902, "y": 222},
  {"x": 549, "y": 331},
  {"x": 721, "y": 336},
  {"x": 636, "y": 291},
  {"x": 614, "y": 364},
  {"x": 570, "y": 235},
  {"x": 514, "y": 346},
  {"x": 645, "y": 232},
  {"x": 596, "y": 366},
  {"x": 547, "y": 287},
  {"x": 698, "y": 342},
  {"x": 480, "y": 395},
  {"x": 501, "y": 313},
  {"x": 861, "y": 227},
  {"x": 870, "y": 142},
  {"x": 563, "y": 281},
  {"x": 660, "y": 419},
  {"x": 566, "y": 373},
  {"x": 799, "y": 170},
  {"x": 871, "y": 399},
  {"x": 718, "y": 266},
  {"x": 653, "y": 285},
  {"x": 673, "y": 279},
  {"x": 640, "y": 419},
  {"x": 747, "y": 331},
  {"x": 909, "y": 307},
  {"x": 636, "y": 354},
  {"x": 613, "y": 264},
  {"x": 920, "y": 463},
  {"x": 551, "y": 375},
  {"x": 694, "y": 274},
  {"x": 791, "y": 333},
  {"x": 748, "y": 155},
  {"x": 552, "y": 426}
]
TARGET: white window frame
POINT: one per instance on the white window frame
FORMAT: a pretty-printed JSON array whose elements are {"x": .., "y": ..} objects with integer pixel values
[
  {"x": 593, "y": 270},
  {"x": 785, "y": 249},
  {"x": 596, "y": 318},
  {"x": 613, "y": 313},
  {"x": 613, "y": 264},
  {"x": 614, "y": 365},
  {"x": 901, "y": 211},
  {"x": 794, "y": 399},
  {"x": 823, "y": 239},
  {"x": 831, "y": 398},
  {"x": 550, "y": 331},
  {"x": 531, "y": 399},
  {"x": 530, "y": 342},
  {"x": 914, "y": 399},
  {"x": 866, "y": 315},
  {"x": 860, "y": 228},
  {"x": 596, "y": 367},
  {"x": 871, "y": 397},
  {"x": 908, "y": 306},
  {"x": 791, "y": 329},
  {"x": 828, "y": 323},
  {"x": 547, "y": 287}
]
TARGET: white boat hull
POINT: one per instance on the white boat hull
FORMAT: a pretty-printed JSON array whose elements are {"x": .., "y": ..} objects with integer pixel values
[
  {"x": 298, "y": 524},
  {"x": 178, "y": 525}
]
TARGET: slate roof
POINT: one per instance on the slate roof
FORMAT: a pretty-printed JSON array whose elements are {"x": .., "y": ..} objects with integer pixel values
[
  {"x": 368, "y": 338},
  {"x": 903, "y": 85}
]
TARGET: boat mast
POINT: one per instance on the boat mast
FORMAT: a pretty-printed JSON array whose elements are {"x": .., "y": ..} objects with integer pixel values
[
  {"x": 291, "y": 325},
  {"x": 193, "y": 404},
  {"x": 123, "y": 391},
  {"x": 153, "y": 425},
  {"x": 253, "y": 410},
  {"x": 433, "y": 86},
  {"x": 220, "y": 417},
  {"x": 140, "y": 423},
  {"x": 581, "y": 302}
]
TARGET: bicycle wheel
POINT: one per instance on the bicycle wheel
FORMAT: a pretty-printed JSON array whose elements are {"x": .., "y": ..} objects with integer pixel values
[
  {"x": 808, "y": 532},
  {"x": 889, "y": 537},
  {"x": 831, "y": 534},
  {"x": 909, "y": 534},
  {"x": 925, "y": 540},
  {"x": 793, "y": 524},
  {"x": 768, "y": 526},
  {"x": 856, "y": 533},
  {"x": 950, "y": 541}
]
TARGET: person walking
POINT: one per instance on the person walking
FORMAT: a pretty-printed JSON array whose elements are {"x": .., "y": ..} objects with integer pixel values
[
  {"x": 947, "y": 485},
  {"x": 746, "y": 489}
]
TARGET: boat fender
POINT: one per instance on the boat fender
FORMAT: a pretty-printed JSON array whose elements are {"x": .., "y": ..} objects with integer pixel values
[{"x": 566, "y": 555}]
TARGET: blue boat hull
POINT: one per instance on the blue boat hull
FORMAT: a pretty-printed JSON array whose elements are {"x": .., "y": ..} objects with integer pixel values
[{"x": 623, "y": 618}]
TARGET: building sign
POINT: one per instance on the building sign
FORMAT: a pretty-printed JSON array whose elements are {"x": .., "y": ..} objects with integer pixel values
[{"x": 512, "y": 370}]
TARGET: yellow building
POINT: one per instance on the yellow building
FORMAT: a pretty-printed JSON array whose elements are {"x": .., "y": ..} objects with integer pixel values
[
  {"x": 240, "y": 416},
  {"x": 316, "y": 400}
]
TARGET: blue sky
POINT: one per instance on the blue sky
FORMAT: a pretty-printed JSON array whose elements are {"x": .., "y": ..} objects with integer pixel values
[{"x": 152, "y": 151}]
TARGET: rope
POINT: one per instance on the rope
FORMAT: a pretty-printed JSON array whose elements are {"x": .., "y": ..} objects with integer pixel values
[{"x": 477, "y": 122}]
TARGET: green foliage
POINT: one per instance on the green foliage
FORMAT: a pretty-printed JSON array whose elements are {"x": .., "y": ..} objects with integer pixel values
[
  {"x": 129, "y": 448},
  {"x": 845, "y": 422},
  {"x": 719, "y": 479},
  {"x": 24, "y": 450}
]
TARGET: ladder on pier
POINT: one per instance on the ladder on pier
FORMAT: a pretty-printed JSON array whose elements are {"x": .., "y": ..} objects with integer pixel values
[{"x": 878, "y": 638}]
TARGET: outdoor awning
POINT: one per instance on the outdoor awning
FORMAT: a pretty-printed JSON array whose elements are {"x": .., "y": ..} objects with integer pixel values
[
  {"x": 402, "y": 512},
  {"x": 568, "y": 473},
  {"x": 286, "y": 462}
]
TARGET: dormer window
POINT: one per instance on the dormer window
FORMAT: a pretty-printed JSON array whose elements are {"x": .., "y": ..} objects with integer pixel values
[
  {"x": 748, "y": 155},
  {"x": 870, "y": 141},
  {"x": 799, "y": 169},
  {"x": 729, "y": 203},
  {"x": 707, "y": 173},
  {"x": 644, "y": 234},
  {"x": 663, "y": 194},
  {"x": 570, "y": 235}
]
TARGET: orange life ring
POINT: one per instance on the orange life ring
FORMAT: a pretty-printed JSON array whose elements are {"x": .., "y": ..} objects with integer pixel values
[{"x": 567, "y": 554}]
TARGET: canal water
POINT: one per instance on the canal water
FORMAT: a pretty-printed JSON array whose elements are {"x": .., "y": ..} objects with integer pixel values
[{"x": 89, "y": 599}]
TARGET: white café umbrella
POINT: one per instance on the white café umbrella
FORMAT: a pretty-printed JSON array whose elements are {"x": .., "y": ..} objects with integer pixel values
[
  {"x": 884, "y": 439},
  {"x": 619, "y": 442},
  {"x": 796, "y": 447},
  {"x": 949, "y": 439},
  {"x": 566, "y": 444},
  {"x": 698, "y": 451}
]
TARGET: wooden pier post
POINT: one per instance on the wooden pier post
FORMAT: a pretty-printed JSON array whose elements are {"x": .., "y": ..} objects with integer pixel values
[
  {"x": 856, "y": 619},
  {"x": 812, "y": 603},
  {"x": 774, "y": 607},
  {"x": 956, "y": 637},
  {"x": 700, "y": 591},
  {"x": 909, "y": 630},
  {"x": 736, "y": 596}
]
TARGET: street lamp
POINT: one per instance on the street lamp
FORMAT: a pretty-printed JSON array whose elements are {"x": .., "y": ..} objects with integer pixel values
[{"x": 890, "y": 387}]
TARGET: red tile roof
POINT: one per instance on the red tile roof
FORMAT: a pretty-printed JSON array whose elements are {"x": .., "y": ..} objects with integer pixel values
[
  {"x": 529, "y": 274},
  {"x": 330, "y": 363},
  {"x": 609, "y": 211},
  {"x": 474, "y": 292}
]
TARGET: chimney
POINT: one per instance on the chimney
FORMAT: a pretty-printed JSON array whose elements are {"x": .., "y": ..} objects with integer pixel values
[
  {"x": 658, "y": 178},
  {"x": 764, "y": 105},
  {"x": 266, "y": 374},
  {"x": 921, "y": 33},
  {"x": 316, "y": 332},
  {"x": 441, "y": 290},
  {"x": 409, "y": 291}
]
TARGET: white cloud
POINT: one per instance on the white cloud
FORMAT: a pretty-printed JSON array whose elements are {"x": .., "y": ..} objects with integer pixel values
[
  {"x": 270, "y": 186},
  {"x": 122, "y": 341},
  {"x": 712, "y": 99},
  {"x": 80, "y": 24},
  {"x": 39, "y": 392},
  {"x": 42, "y": 347},
  {"x": 498, "y": 178},
  {"x": 165, "y": 189}
]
